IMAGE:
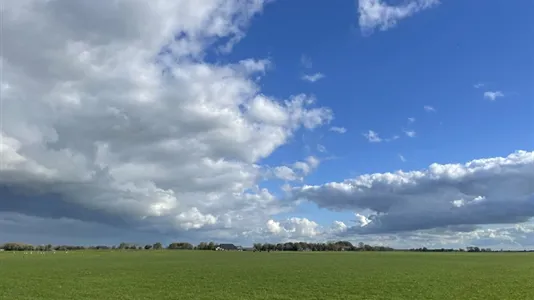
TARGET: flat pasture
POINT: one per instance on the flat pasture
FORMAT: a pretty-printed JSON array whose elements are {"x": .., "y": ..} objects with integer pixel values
[{"x": 211, "y": 275}]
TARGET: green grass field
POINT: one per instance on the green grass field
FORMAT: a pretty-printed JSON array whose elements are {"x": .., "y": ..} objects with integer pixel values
[{"x": 247, "y": 275}]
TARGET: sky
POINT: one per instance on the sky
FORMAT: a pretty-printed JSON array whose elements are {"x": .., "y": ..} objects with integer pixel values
[{"x": 399, "y": 123}]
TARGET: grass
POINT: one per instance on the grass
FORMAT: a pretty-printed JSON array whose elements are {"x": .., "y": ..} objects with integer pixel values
[{"x": 247, "y": 275}]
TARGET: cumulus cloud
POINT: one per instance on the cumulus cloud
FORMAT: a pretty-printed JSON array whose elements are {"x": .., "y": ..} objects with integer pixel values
[
  {"x": 379, "y": 14},
  {"x": 307, "y": 166},
  {"x": 298, "y": 170},
  {"x": 294, "y": 229},
  {"x": 313, "y": 77},
  {"x": 338, "y": 129},
  {"x": 492, "y": 96},
  {"x": 285, "y": 173},
  {"x": 372, "y": 137},
  {"x": 518, "y": 236},
  {"x": 483, "y": 191},
  {"x": 338, "y": 227},
  {"x": 111, "y": 113},
  {"x": 410, "y": 133},
  {"x": 429, "y": 108}
]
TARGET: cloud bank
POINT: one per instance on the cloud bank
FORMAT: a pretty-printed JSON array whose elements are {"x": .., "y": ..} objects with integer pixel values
[
  {"x": 484, "y": 191},
  {"x": 112, "y": 116}
]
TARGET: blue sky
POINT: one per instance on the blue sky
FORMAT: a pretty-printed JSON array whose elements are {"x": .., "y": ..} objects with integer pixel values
[
  {"x": 376, "y": 82},
  {"x": 405, "y": 123}
]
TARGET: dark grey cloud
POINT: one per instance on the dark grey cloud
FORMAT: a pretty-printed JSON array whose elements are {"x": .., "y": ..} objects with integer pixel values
[{"x": 53, "y": 206}]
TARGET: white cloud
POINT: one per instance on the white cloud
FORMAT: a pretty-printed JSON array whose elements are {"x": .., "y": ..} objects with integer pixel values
[
  {"x": 307, "y": 166},
  {"x": 378, "y": 14},
  {"x": 362, "y": 220},
  {"x": 274, "y": 227},
  {"x": 484, "y": 191},
  {"x": 410, "y": 133},
  {"x": 338, "y": 129},
  {"x": 338, "y": 227},
  {"x": 313, "y": 77},
  {"x": 493, "y": 95},
  {"x": 372, "y": 137},
  {"x": 478, "y": 85},
  {"x": 321, "y": 148},
  {"x": 411, "y": 120},
  {"x": 506, "y": 237},
  {"x": 104, "y": 124},
  {"x": 194, "y": 219},
  {"x": 285, "y": 173},
  {"x": 429, "y": 108},
  {"x": 401, "y": 157},
  {"x": 298, "y": 170},
  {"x": 294, "y": 229}
]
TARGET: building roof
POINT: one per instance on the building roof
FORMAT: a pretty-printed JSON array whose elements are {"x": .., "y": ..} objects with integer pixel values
[{"x": 228, "y": 246}]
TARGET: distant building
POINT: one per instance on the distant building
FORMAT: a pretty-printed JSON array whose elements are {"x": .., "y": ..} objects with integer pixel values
[{"x": 227, "y": 247}]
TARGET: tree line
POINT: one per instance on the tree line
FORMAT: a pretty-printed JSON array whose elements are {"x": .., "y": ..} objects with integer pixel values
[
  {"x": 289, "y": 246},
  {"x": 330, "y": 246},
  {"x": 259, "y": 247},
  {"x": 467, "y": 249}
]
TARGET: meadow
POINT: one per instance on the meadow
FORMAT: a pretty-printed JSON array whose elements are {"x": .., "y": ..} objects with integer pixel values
[{"x": 277, "y": 275}]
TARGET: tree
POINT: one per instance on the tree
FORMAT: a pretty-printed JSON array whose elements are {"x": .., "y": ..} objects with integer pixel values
[
  {"x": 180, "y": 246},
  {"x": 211, "y": 246},
  {"x": 157, "y": 246},
  {"x": 148, "y": 247},
  {"x": 203, "y": 246}
]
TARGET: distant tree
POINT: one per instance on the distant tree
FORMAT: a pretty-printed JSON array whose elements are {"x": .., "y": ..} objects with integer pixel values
[
  {"x": 148, "y": 247},
  {"x": 211, "y": 246},
  {"x": 180, "y": 246},
  {"x": 157, "y": 246},
  {"x": 257, "y": 246},
  {"x": 203, "y": 246}
]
